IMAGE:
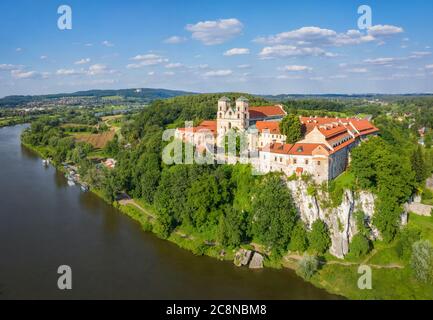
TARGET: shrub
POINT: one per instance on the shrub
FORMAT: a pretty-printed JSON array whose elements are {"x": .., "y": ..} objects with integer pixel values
[
  {"x": 404, "y": 244},
  {"x": 359, "y": 246},
  {"x": 319, "y": 238},
  {"x": 427, "y": 194},
  {"x": 308, "y": 266},
  {"x": 312, "y": 190},
  {"x": 422, "y": 261}
]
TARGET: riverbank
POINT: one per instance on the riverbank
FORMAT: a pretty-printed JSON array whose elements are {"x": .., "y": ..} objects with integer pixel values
[{"x": 335, "y": 276}]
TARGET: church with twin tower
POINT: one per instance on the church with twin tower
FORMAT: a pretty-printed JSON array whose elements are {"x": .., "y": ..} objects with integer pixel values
[{"x": 228, "y": 118}]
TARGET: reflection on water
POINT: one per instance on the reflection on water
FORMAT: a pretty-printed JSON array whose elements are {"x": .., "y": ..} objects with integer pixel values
[{"x": 44, "y": 223}]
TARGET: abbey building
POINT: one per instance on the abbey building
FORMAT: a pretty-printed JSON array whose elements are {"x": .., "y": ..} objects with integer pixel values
[{"x": 323, "y": 152}]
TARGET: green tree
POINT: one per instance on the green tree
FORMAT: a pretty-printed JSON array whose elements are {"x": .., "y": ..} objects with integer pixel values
[
  {"x": 405, "y": 242},
  {"x": 231, "y": 227},
  {"x": 299, "y": 240},
  {"x": 422, "y": 261},
  {"x": 359, "y": 246},
  {"x": 418, "y": 165},
  {"x": 319, "y": 238},
  {"x": 308, "y": 266},
  {"x": 274, "y": 215},
  {"x": 148, "y": 167},
  {"x": 291, "y": 127}
]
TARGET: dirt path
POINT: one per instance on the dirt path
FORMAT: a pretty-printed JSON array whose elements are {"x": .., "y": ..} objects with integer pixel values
[
  {"x": 350, "y": 264},
  {"x": 125, "y": 202}
]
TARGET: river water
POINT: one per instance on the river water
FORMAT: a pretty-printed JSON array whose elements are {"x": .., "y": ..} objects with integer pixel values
[{"x": 44, "y": 223}]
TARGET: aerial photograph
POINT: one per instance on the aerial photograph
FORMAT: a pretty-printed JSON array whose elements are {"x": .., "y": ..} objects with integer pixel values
[{"x": 230, "y": 153}]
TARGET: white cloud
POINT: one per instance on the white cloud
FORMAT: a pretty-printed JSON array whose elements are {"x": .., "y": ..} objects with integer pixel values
[
  {"x": 146, "y": 60},
  {"x": 313, "y": 36},
  {"x": 82, "y": 61},
  {"x": 303, "y": 34},
  {"x": 19, "y": 49},
  {"x": 338, "y": 76},
  {"x": 429, "y": 66},
  {"x": 215, "y": 32},
  {"x": 236, "y": 51},
  {"x": 419, "y": 54},
  {"x": 218, "y": 73},
  {"x": 151, "y": 73},
  {"x": 174, "y": 65},
  {"x": 291, "y": 51},
  {"x": 69, "y": 72},
  {"x": 9, "y": 67},
  {"x": 97, "y": 69},
  {"x": 169, "y": 73},
  {"x": 384, "y": 30},
  {"x": 291, "y": 77},
  {"x": 295, "y": 68},
  {"x": 43, "y": 57},
  {"x": 107, "y": 43},
  {"x": 358, "y": 70},
  {"x": 19, "y": 74},
  {"x": 380, "y": 61},
  {"x": 175, "y": 40},
  {"x": 244, "y": 66}
]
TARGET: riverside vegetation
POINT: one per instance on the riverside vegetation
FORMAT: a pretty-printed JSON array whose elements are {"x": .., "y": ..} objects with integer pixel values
[{"x": 217, "y": 209}]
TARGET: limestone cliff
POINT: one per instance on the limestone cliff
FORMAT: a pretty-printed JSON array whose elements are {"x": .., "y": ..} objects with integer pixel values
[{"x": 340, "y": 220}]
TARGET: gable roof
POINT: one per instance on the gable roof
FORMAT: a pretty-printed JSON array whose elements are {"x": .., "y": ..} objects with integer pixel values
[
  {"x": 210, "y": 125},
  {"x": 266, "y": 111},
  {"x": 272, "y": 126},
  {"x": 362, "y": 126}
]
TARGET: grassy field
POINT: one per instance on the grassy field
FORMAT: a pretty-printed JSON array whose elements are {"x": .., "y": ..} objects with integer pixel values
[{"x": 97, "y": 140}]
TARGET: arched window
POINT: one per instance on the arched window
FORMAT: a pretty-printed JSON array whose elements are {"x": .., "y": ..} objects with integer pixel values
[{"x": 230, "y": 125}]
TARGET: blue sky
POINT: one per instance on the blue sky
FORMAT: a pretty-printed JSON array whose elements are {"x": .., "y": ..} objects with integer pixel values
[{"x": 264, "y": 47}]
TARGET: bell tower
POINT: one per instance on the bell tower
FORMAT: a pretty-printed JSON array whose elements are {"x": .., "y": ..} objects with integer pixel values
[{"x": 242, "y": 113}]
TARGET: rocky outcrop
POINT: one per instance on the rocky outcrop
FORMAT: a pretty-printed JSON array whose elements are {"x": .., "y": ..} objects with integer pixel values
[
  {"x": 242, "y": 257},
  {"x": 419, "y": 209},
  {"x": 340, "y": 220},
  {"x": 256, "y": 261}
]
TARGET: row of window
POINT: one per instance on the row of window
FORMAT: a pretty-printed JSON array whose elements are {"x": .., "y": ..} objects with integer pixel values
[
  {"x": 237, "y": 109},
  {"x": 230, "y": 114},
  {"x": 294, "y": 160},
  {"x": 341, "y": 141}
]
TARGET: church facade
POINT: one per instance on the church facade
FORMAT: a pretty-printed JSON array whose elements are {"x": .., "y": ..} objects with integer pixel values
[{"x": 323, "y": 153}]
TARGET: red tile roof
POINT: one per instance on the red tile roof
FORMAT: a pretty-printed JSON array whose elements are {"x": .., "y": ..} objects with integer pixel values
[
  {"x": 272, "y": 126},
  {"x": 332, "y": 131},
  {"x": 266, "y": 111},
  {"x": 363, "y": 126},
  {"x": 210, "y": 125},
  {"x": 281, "y": 148}
]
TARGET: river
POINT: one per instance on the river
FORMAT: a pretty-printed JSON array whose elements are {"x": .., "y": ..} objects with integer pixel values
[{"x": 44, "y": 223}]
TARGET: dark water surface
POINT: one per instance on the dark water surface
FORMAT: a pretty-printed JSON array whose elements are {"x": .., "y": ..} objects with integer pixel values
[{"x": 44, "y": 223}]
